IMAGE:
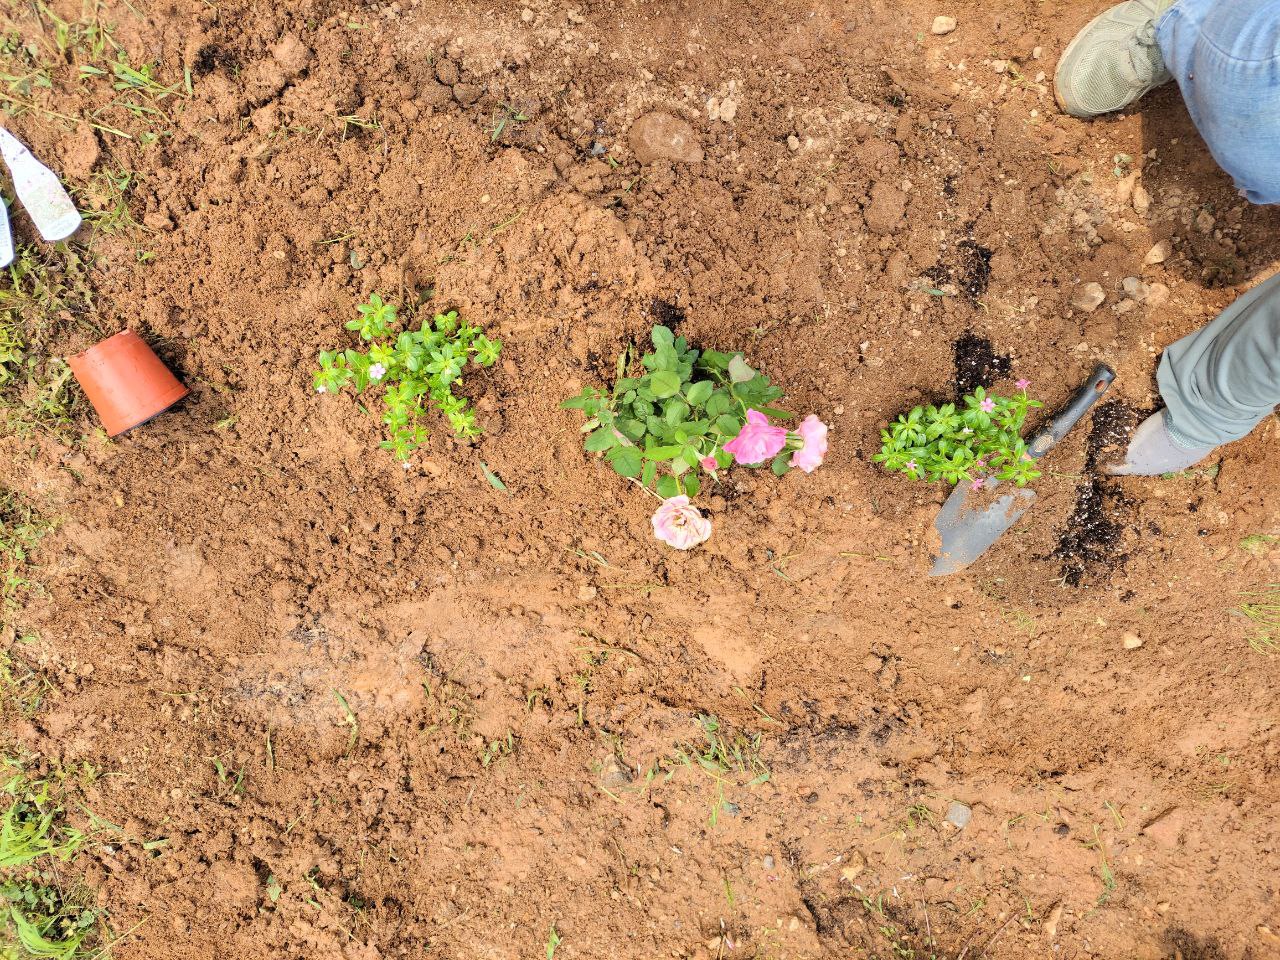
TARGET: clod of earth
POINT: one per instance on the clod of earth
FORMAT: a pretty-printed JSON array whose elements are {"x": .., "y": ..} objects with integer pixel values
[
  {"x": 942, "y": 25},
  {"x": 660, "y": 136}
]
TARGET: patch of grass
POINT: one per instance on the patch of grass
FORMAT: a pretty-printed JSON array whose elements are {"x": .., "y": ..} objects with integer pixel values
[
  {"x": 44, "y": 294},
  {"x": 105, "y": 201},
  {"x": 43, "y": 915},
  {"x": 1258, "y": 543},
  {"x": 20, "y": 530},
  {"x": 497, "y": 750},
  {"x": 22, "y": 689},
  {"x": 1262, "y": 608},
  {"x": 726, "y": 756}
]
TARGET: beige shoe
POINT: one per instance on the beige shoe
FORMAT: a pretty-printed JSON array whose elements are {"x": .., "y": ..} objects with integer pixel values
[{"x": 1113, "y": 61}]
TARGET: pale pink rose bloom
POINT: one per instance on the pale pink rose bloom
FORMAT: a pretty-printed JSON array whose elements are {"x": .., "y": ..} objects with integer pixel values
[
  {"x": 758, "y": 441},
  {"x": 709, "y": 464},
  {"x": 678, "y": 523},
  {"x": 814, "y": 434}
]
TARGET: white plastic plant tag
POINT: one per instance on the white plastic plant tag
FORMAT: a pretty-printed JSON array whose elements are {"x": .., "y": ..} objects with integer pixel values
[
  {"x": 6, "y": 237},
  {"x": 39, "y": 191}
]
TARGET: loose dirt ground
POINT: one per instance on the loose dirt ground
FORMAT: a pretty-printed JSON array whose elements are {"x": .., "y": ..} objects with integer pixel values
[{"x": 524, "y": 670}]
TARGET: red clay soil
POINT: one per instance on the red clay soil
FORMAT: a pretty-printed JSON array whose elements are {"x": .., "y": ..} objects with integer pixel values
[{"x": 524, "y": 669}]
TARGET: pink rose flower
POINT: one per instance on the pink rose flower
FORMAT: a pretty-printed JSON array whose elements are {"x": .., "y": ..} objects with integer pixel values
[
  {"x": 758, "y": 441},
  {"x": 709, "y": 464},
  {"x": 679, "y": 523},
  {"x": 814, "y": 434}
]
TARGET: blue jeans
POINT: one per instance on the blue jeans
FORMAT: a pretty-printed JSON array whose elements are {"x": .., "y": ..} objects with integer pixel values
[{"x": 1223, "y": 380}]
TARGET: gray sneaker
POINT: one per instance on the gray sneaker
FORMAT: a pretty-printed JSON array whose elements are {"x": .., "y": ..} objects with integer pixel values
[
  {"x": 1154, "y": 449},
  {"x": 1113, "y": 61}
]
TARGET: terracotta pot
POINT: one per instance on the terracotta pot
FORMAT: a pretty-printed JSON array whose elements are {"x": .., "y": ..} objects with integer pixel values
[{"x": 125, "y": 381}]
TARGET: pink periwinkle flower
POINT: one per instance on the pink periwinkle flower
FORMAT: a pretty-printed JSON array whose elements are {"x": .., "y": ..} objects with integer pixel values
[
  {"x": 814, "y": 434},
  {"x": 709, "y": 464},
  {"x": 987, "y": 405},
  {"x": 911, "y": 465},
  {"x": 321, "y": 389},
  {"x": 377, "y": 371},
  {"x": 758, "y": 441},
  {"x": 678, "y": 523},
  {"x": 977, "y": 484},
  {"x": 1023, "y": 383}
]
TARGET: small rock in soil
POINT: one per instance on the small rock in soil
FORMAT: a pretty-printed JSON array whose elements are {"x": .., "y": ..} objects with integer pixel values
[
  {"x": 1158, "y": 254},
  {"x": 769, "y": 862},
  {"x": 1131, "y": 640},
  {"x": 587, "y": 593},
  {"x": 1205, "y": 221},
  {"x": 1158, "y": 295},
  {"x": 959, "y": 815},
  {"x": 1141, "y": 200},
  {"x": 660, "y": 136},
  {"x": 1134, "y": 287},
  {"x": 1089, "y": 297},
  {"x": 942, "y": 26},
  {"x": 466, "y": 93},
  {"x": 615, "y": 774}
]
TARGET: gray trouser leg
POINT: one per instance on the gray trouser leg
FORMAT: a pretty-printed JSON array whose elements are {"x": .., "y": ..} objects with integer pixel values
[{"x": 1223, "y": 380}]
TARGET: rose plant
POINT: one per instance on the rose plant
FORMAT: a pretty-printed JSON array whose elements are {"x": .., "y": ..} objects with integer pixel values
[
  {"x": 979, "y": 442},
  {"x": 678, "y": 415},
  {"x": 415, "y": 369}
]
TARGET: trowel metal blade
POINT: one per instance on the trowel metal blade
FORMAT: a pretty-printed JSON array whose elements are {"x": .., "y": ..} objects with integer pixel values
[
  {"x": 6, "y": 237},
  {"x": 967, "y": 531}
]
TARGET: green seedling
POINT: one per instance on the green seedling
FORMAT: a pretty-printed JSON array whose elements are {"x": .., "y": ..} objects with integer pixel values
[
  {"x": 946, "y": 443},
  {"x": 415, "y": 369},
  {"x": 553, "y": 940},
  {"x": 672, "y": 410}
]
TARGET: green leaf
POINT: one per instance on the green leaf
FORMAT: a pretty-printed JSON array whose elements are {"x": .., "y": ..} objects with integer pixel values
[
  {"x": 674, "y": 411},
  {"x": 729, "y": 425},
  {"x": 602, "y": 439},
  {"x": 739, "y": 370},
  {"x": 698, "y": 394},
  {"x": 625, "y": 460},
  {"x": 781, "y": 463},
  {"x": 720, "y": 402},
  {"x": 662, "y": 337},
  {"x": 662, "y": 453},
  {"x": 668, "y": 487},
  {"x": 495, "y": 481},
  {"x": 692, "y": 486},
  {"x": 633, "y": 430},
  {"x": 665, "y": 384},
  {"x": 649, "y": 472}
]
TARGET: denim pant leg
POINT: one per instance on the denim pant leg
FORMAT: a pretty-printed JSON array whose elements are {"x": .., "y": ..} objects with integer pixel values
[
  {"x": 1225, "y": 55},
  {"x": 1224, "y": 379}
]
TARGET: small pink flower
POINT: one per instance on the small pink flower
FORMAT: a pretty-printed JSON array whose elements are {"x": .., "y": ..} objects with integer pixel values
[
  {"x": 911, "y": 465},
  {"x": 987, "y": 405},
  {"x": 679, "y": 523},
  {"x": 758, "y": 440},
  {"x": 709, "y": 464},
  {"x": 320, "y": 389},
  {"x": 814, "y": 434},
  {"x": 980, "y": 464},
  {"x": 377, "y": 371},
  {"x": 1023, "y": 383},
  {"x": 977, "y": 484}
]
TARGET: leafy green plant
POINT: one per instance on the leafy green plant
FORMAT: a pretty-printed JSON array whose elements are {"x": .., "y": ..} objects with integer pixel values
[
  {"x": 982, "y": 440},
  {"x": 672, "y": 410},
  {"x": 415, "y": 369},
  {"x": 38, "y": 918}
]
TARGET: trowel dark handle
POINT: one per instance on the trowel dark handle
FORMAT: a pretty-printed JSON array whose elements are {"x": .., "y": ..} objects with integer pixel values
[{"x": 1047, "y": 437}]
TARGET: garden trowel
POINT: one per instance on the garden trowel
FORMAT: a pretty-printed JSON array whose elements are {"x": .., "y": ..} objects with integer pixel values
[{"x": 965, "y": 530}]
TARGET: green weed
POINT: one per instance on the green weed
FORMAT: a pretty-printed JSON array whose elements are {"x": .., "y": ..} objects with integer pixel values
[
  {"x": 1262, "y": 608},
  {"x": 20, "y": 530},
  {"x": 39, "y": 915},
  {"x": 47, "y": 294}
]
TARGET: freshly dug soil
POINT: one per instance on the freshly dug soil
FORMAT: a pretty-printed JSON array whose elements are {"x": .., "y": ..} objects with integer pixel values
[{"x": 466, "y": 716}]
